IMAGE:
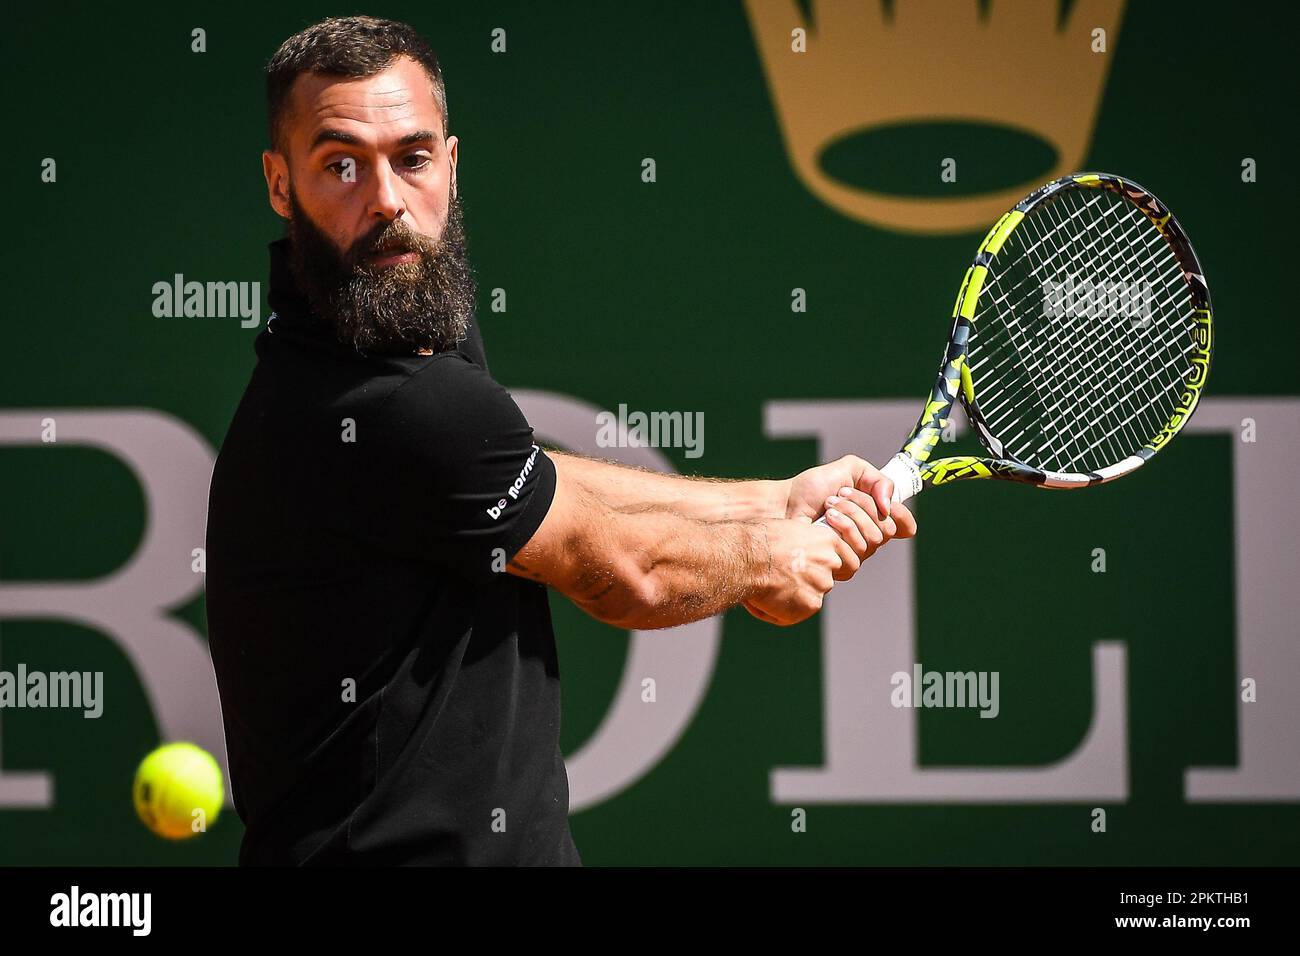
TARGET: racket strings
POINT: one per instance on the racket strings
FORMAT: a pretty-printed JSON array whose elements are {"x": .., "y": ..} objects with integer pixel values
[
  {"x": 1129, "y": 392},
  {"x": 1169, "y": 273},
  {"x": 1020, "y": 339},
  {"x": 1020, "y": 369},
  {"x": 1084, "y": 403},
  {"x": 1071, "y": 375},
  {"x": 1072, "y": 396},
  {"x": 1071, "y": 383}
]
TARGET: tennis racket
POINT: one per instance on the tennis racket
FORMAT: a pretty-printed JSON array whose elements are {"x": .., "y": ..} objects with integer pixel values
[{"x": 1081, "y": 340}]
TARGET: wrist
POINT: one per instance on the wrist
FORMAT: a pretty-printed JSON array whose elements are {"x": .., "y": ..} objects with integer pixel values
[
  {"x": 753, "y": 500},
  {"x": 775, "y": 497},
  {"x": 758, "y": 573}
]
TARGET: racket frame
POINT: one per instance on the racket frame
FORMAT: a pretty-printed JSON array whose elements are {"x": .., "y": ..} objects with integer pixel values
[{"x": 913, "y": 470}]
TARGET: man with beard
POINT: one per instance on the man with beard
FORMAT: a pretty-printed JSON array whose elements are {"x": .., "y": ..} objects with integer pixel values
[{"x": 382, "y": 527}]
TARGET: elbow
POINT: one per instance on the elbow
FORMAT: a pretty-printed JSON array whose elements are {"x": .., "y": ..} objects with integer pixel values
[
  {"x": 645, "y": 601},
  {"x": 627, "y": 596}
]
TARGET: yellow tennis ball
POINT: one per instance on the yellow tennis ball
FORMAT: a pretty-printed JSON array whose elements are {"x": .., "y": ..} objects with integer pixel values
[{"x": 178, "y": 791}]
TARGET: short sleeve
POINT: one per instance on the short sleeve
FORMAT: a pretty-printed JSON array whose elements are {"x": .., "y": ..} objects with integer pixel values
[{"x": 449, "y": 472}]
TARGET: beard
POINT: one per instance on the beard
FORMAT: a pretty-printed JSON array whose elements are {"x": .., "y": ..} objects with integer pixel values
[{"x": 397, "y": 310}]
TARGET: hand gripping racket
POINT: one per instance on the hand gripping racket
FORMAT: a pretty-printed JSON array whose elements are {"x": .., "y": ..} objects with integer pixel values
[{"x": 1080, "y": 343}]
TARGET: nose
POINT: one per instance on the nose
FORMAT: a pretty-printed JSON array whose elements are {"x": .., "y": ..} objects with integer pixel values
[{"x": 386, "y": 201}]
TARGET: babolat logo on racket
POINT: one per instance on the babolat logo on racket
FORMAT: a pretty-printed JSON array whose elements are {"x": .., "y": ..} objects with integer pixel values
[{"x": 1196, "y": 376}]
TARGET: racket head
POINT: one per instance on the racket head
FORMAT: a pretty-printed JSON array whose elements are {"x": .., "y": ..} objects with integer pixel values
[{"x": 1081, "y": 340}]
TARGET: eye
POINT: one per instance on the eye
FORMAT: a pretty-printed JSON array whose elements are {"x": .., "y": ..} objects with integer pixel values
[
  {"x": 416, "y": 160},
  {"x": 338, "y": 168}
]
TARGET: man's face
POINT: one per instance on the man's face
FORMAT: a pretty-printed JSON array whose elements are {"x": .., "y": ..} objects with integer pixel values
[{"x": 368, "y": 186}]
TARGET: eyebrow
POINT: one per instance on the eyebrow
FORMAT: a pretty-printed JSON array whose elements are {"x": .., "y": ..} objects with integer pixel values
[{"x": 338, "y": 136}]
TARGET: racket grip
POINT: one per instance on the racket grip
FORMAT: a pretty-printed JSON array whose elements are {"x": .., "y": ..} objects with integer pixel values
[{"x": 905, "y": 475}]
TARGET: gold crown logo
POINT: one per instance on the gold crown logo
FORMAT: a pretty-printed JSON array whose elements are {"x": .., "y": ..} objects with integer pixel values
[{"x": 935, "y": 61}]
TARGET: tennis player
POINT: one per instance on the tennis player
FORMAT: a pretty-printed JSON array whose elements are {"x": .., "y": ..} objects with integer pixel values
[{"x": 383, "y": 527}]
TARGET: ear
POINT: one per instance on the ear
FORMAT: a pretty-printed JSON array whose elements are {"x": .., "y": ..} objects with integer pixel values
[
  {"x": 453, "y": 154},
  {"x": 276, "y": 170}
]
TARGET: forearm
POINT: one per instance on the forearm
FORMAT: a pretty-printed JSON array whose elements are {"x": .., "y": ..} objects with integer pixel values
[
  {"x": 639, "y": 549},
  {"x": 706, "y": 499},
  {"x": 677, "y": 569},
  {"x": 643, "y": 565}
]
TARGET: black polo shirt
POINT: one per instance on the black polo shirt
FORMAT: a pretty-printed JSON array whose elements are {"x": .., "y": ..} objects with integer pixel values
[{"x": 390, "y": 694}]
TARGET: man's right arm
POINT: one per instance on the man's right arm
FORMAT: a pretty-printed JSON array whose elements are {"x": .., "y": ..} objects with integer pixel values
[
  {"x": 647, "y": 566},
  {"x": 453, "y": 455}
]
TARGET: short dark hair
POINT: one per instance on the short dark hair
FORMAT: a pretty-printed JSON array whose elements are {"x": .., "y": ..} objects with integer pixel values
[{"x": 345, "y": 47}]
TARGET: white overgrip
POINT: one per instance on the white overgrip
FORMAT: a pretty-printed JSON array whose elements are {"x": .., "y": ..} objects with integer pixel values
[{"x": 905, "y": 475}]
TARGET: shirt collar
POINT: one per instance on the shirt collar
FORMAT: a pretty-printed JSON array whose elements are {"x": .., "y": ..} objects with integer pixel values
[
  {"x": 288, "y": 302},
  {"x": 291, "y": 312}
]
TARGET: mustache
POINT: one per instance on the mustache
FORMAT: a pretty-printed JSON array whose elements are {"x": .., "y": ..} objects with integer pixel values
[{"x": 388, "y": 238}]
